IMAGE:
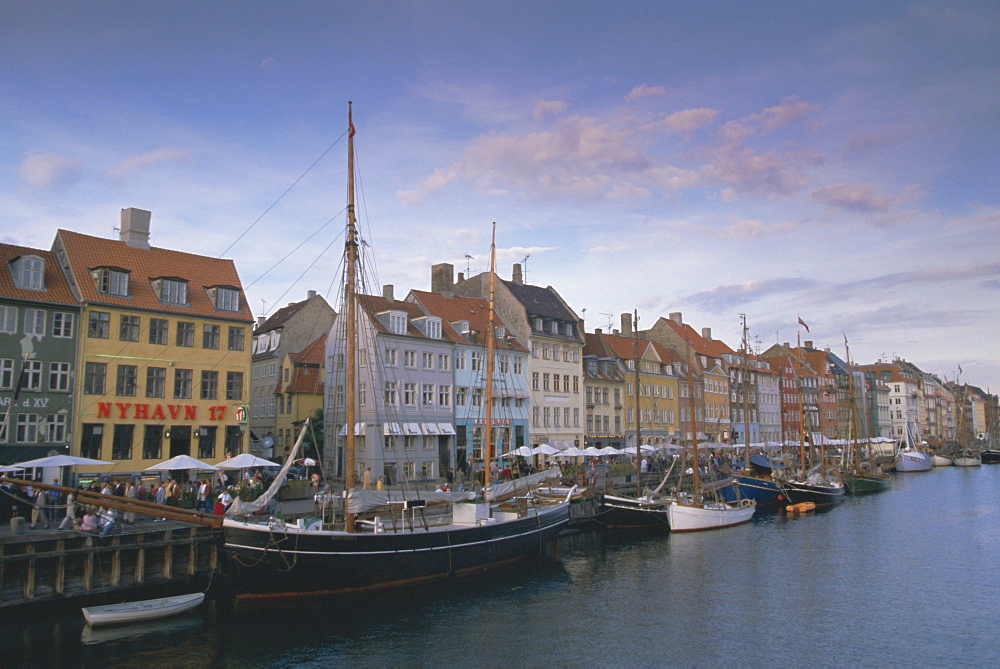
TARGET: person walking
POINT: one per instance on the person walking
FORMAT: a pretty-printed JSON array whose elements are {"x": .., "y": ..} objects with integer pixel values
[
  {"x": 69, "y": 522},
  {"x": 366, "y": 479},
  {"x": 131, "y": 492},
  {"x": 38, "y": 510}
]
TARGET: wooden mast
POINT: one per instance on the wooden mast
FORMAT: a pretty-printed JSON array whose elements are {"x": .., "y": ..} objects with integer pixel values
[
  {"x": 745, "y": 381},
  {"x": 350, "y": 304},
  {"x": 490, "y": 334},
  {"x": 802, "y": 408},
  {"x": 694, "y": 423},
  {"x": 638, "y": 408}
]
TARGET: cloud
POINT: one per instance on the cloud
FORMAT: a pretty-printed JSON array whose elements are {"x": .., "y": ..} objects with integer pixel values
[
  {"x": 987, "y": 217},
  {"x": 267, "y": 63},
  {"x": 748, "y": 229},
  {"x": 642, "y": 91},
  {"x": 688, "y": 120},
  {"x": 923, "y": 276},
  {"x": 748, "y": 171},
  {"x": 50, "y": 172},
  {"x": 545, "y": 109},
  {"x": 166, "y": 155},
  {"x": 857, "y": 197},
  {"x": 730, "y": 295}
]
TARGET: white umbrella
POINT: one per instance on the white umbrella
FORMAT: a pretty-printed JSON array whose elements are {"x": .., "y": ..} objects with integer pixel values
[
  {"x": 544, "y": 449},
  {"x": 523, "y": 451},
  {"x": 180, "y": 462},
  {"x": 571, "y": 452},
  {"x": 610, "y": 450},
  {"x": 11, "y": 468},
  {"x": 61, "y": 461},
  {"x": 592, "y": 450},
  {"x": 306, "y": 462},
  {"x": 244, "y": 461}
]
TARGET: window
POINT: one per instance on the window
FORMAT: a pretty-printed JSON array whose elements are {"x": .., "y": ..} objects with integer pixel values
[
  {"x": 547, "y": 417},
  {"x": 6, "y": 373},
  {"x": 534, "y": 415},
  {"x": 55, "y": 428},
  {"x": 90, "y": 440},
  {"x": 477, "y": 397},
  {"x": 173, "y": 291},
  {"x": 434, "y": 328},
  {"x": 125, "y": 385},
  {"x": 459, "y": 359},
  {"x": 99, "y": 325},
  {"x": 210, "y": 336},
  {"x": 444, "y": 396},
  {"x": 546, "y": 382},
  {"x": 362, "y": 394},
  {"x": 504, "y": 363},
  {"x": 477, "y": 360},
  {"x": 59, "y": 376},
  {"x": 32, "y": 374},
  {"x": 233, "y": 441},
  {"x": 409, "y": 358},
  {"x": 152, "y": 441},
  {"x": 444, "y": 361},
  {"x": 158, "y": 331},
  {"x": 182, "y": 383},
  {"x": 234, "y": 386},
  {"x": 121, "y": 442},
  {"x": 427, "y": 396},
  {"x": 112, "y": 281},
  {"x": 461, "y": 395},
  {"x": 209, "y": 385},
  {"x": 185, "y": 333},
  {"x": 27, "y": 428},
  {"x": 390, "y": 393},
  {"x": 94, "y": 378},
  {"x": 206, "y": 441},
  {"x": 34, "y": 322},
  {"x": 391, "y": 357},
  {"x": 518, "y": 366},
  {"x": 8, "y": 319},
  {"x": 534, "y": 380},
  {"x": 236, "y": 337},
  {"x": 156, "y": 381},
  {"x": 32, "y": 272},
  {"x": 62, "y": 325},
  {"x": 397, "y": 322},
  {"x": 545, "y": 352},
  {"x": 409, "y": 394},
  {"x": 227, "y": 299},
  {"x": 428, "y": 360},
  {"x": 128, "y": 329},
  {"x": 270, "y": 406}
]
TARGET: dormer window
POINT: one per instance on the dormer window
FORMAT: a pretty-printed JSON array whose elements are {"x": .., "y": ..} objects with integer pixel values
[
  {"x": 225, "y": 298},
  {"x": 111, "y": 281},
  {"x": 171, "y": 291},
  {"x": 554, "y": 327},
  {"x": 434, "y": 328},
  {"x": 397, "y": 322},
  {"x": 29, "y": 273}
]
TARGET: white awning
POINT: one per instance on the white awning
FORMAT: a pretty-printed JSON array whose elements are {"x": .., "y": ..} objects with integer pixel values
[
  {"x": 359, "y": 430},
  {"x": 411, "y": 428},
  {"x": 391, "y": 429},
  {"x": 431, "y": 428},
  {"x": 446, "y": 428}
]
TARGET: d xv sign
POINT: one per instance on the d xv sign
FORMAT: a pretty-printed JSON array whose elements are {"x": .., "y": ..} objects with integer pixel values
[{"x": 156, "y": 411}]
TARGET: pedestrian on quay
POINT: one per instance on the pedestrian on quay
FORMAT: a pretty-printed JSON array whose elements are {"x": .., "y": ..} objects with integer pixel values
[
  {"x": 55, "y": 503},
  {"x": 131, "y": 492},
  {"x": 106, "y": 521},
  {"x": 366, "y": 479},
  {"x": 38, "y": 510},
  {"x": 89, "y": 521},
  {"x": 204, "y": 492},
  {"x": 69, "y": 522},
  {"x": 380, "y": 484},
  {"x": 160, "y": 497}
]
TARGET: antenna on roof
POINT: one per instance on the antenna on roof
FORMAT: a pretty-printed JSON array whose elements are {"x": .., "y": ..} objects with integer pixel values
[
  {"x": 524, "y": 268},
  {"x": 610, "y": 320},
  {"x": 468, "y": 264},
  {"x": 263, "y": 306}
]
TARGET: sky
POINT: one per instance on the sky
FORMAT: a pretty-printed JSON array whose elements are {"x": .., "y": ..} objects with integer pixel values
[{"x": 830, "y": 161}]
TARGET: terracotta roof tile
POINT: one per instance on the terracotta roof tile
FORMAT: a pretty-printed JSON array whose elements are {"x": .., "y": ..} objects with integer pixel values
[
  {"x": 86, "y": 253},
  {"x": 57, "y": 290},
  {"x": 455, "y": 309}
]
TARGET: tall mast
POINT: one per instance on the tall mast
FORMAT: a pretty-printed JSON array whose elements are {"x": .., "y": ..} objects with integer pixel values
[
  {"x": 852, "y": 434},
  {"x": 350, "y": 304},
  {"x": 746, "y": 397},
  {"x": 490, "y": 334},
  {"x": 638, "y": 408},
  {"x": 694, "y": 423},
  {"x": 802, "y": 407}
]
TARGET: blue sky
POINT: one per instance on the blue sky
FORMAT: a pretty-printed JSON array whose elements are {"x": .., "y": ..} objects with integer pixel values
[{"x": 830, "y": 161}]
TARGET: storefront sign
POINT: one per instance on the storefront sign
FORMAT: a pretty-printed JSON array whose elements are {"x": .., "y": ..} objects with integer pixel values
[{"x": 126, "y": 410}]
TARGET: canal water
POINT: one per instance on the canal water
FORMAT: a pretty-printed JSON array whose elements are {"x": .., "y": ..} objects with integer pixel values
[{"x": 900, "y": 578}]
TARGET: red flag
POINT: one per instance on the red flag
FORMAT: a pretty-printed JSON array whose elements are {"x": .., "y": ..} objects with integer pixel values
[
  {"x": 803, "y": 324},
  {"x": 350, "y": 124}
]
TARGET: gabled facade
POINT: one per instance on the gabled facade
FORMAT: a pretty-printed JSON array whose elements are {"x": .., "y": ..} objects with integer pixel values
[
  {"x": 39, "y": 332},
  {"x": 469, "y": 316},
  {"x": 554, "y": 336},
  {"x": 164, "y": 358},
  {"x": 604, "y": 390},
  {"x": 287, "y": 331},
  {"x": 903, "y": 399},
  {"x": 405, "y": 426},
  {"x": 300, "y": 392}
]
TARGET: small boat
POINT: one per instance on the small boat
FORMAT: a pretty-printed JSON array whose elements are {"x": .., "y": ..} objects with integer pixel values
[
  {"x": 990, "y": 457},
  {"x": 939, "y": 460},
  {"x": 967, "y": 459},
  {"x": 146, "y": 609},
  {"x": 800, "y": 508}
]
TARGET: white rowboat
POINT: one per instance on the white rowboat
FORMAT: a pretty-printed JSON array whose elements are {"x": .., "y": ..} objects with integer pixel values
[{"x": 147, "y": 609}]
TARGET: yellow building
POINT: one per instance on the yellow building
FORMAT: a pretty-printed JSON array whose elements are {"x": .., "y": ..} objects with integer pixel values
[
  {"x": 163, "y": 357},
  {"x": 300, "y": 393}
]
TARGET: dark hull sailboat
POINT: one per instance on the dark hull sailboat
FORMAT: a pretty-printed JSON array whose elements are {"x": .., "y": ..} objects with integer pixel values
[
  {"x": 858, "y": 483},
  {"x": 990, "y": 457},
  {"x": 757, "y": 484},
  {"x": 822, "y": 495},
  {"x": 627, "y": 514}
]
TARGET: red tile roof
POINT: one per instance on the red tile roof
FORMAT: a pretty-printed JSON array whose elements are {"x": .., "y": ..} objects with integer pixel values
[
  {"x": 57, "y": 290},
  {"x": 85, "y": 253},
  {"x": 455, "y": 309}
]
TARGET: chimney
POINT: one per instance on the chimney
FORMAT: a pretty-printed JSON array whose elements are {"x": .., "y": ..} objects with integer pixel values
[
  {"x": 387, "y": 293},
  {"x": 461, "y": 276},
  {"x": 516, "y": 277},
  {"x": 134, "y": 230},
  {"x": 627, "y": 325},
  {"x": 676, "y": 317},
  {"x": 706, "y": 333},
  {"x": 442, "y": 281},
  {"x": 311, "y": 294},
  {"x": 808, "y": 343},
  {"x": 785, "y": 344},
  {"x": 598, "y": 331},
  {"x": 260, "y": 320}
]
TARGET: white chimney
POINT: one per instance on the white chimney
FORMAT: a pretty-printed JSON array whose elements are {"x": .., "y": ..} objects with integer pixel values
[{"x": 134, "y": 230}]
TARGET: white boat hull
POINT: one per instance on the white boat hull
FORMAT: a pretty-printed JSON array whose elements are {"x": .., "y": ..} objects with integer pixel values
[
  {"x": 940, "y": 461},
  {"x": 913, "y": 461},
  {"x": 968, "y": 461},
  {"x": 147, "y": 609},
  {"x": 690, "y": 517}
]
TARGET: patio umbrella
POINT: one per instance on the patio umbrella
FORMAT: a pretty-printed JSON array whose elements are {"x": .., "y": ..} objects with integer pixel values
[
  {"x": 244, "y": 461},
  {"x": 570, "y": 452},
  {"x": 544, "y": 449},
  {"x": 61, "y": 461},
  {"x": 523, "y": 451},
  {"x": 180, "y": 462},
  {"x": 610, "y": 450},
  {"x": 592, "y": 450},
  {"x": 11, "y": 468}
]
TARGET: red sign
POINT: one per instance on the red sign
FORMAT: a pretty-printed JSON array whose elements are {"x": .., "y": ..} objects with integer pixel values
[{"x": 138, "y": 411}]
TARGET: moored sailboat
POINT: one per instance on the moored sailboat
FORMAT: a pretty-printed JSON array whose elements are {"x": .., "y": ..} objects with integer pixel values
[
  {"x": 385, "y": 539},
  {"x": 860, "y": 473}
]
